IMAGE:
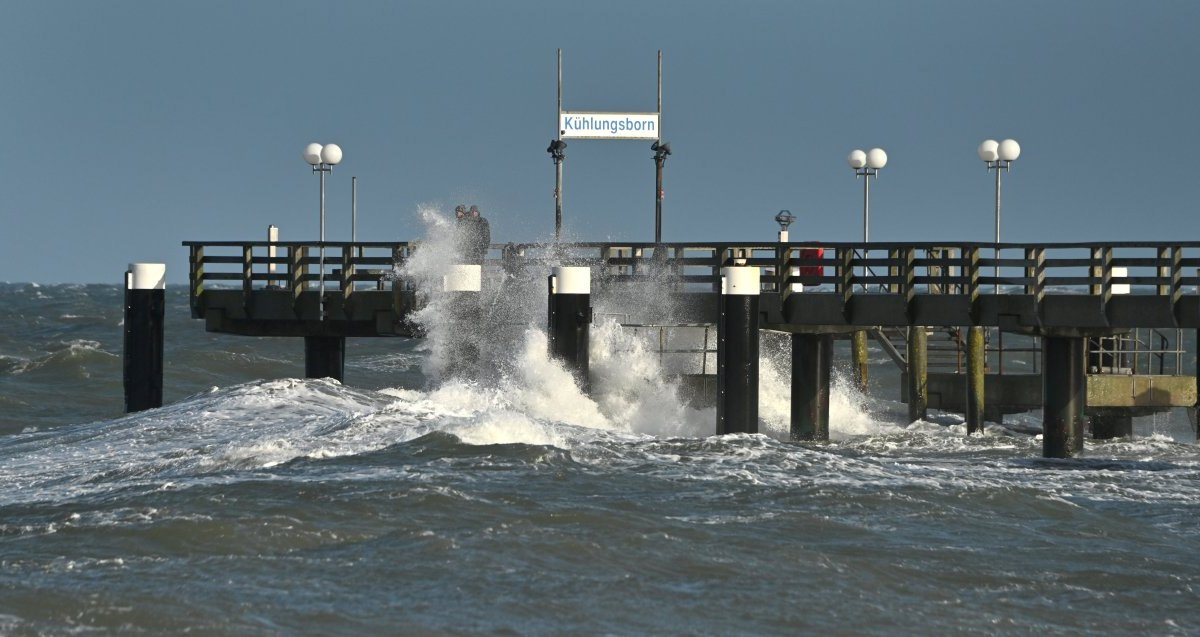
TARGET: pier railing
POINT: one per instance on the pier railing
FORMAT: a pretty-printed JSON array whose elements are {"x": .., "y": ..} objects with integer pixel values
[{"x": 970, "y": 272}]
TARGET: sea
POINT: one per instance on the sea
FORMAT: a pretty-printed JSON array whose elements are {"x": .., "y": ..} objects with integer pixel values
[{"x": 410, "y": 501}]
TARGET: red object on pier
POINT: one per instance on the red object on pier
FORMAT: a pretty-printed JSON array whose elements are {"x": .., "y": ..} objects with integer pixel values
[{"x": 810, "y": 274}]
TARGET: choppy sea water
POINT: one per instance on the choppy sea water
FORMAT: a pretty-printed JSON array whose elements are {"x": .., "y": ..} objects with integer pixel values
[{"x": 257, "y": 502}]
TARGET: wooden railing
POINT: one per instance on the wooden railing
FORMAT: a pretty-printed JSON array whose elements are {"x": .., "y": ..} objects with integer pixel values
[{"x": 847, "y": 269}]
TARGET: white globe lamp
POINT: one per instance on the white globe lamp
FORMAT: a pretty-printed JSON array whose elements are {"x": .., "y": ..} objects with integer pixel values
[
  {"x": 876, "y": 158},
  {"x": 1008, "y": 150},
  {"x": 312, "y": 154},
  {"x": 331, "y": 154},
  {"x": 989, "y": 150}
]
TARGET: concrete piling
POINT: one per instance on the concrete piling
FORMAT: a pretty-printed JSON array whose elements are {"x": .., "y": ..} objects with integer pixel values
[
  {"x": 858, "y": 344},
  {"x": 812, "y": 362},
  {"x": 918, "y": 373},
  {"x": 976, "y": 366},
  {"x": 737, "y": 351},
  {"x": 1064, "y": 395},
  {"x": 325, "y": 357},
  {"x": 145, "y": 305}
]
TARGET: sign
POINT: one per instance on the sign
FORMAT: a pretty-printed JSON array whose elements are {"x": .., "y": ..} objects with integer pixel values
[{"x": 608, "y": 125}]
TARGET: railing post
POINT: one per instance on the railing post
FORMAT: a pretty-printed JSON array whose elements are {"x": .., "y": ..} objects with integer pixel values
[
  {"x": 1101, "y": 274},
  {"x": 971, "y": 267},
  {"x": 893, "y": 286},
  {"x": 196, "y": 279},
  {"x": 247, "y": 274},
  {"x": 845, "y": 275},
  {"x": 1170, "y": 273},
  {"x": 908, "y": 276},
  {"x": 297, "y": 271},
  {"x": 1035, "y": 273},
  {"x": 347, "y": 281}
]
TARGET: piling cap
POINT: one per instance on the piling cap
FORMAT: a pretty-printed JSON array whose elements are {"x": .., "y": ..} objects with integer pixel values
[
  {"x": 740, "y": 281},
  {"x": 146, "y": 276}
]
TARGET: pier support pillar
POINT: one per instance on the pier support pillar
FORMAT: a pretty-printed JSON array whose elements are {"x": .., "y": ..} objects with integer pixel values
[
  {"x": 976, "y": 364},
  {"x": 1111, "y": 423},
  {"x": 569, "y": 322},
  {"x": 1064, "y": 395},
  {"x": 461, "y": 286},
  {"x": 325, "y": 357},
  {"x": 859, "y": 355},
  {"x": 812, "y": 361},
  {"x": 918, "y": 373},
  {"x": 737, "y": 351},
  {"x": 145, "y": 303}
]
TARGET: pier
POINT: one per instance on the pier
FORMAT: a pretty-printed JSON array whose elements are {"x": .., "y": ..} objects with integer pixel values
[{"x": 1061, "y": 294}]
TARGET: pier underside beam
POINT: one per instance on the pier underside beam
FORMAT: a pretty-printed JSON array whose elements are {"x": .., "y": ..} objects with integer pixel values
[{"x": 812, "y": 361}]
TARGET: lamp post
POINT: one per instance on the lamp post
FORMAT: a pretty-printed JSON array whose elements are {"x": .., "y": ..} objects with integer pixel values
[
  {"x": 322, "y": 159},
  {"x": 866, "y": 164},
  {"x": 556, "y": 150},
  {"x": 997, "y": 156},
  {"x": 661, "y": 150}
]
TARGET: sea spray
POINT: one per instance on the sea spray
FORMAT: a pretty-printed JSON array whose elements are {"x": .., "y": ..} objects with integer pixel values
[
  {"x": 632, "y": 387},
  {"x": 849, "y": 409}
]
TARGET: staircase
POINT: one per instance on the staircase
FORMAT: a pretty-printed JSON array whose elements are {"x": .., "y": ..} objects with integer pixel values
[{"x": 945, "y": 350}]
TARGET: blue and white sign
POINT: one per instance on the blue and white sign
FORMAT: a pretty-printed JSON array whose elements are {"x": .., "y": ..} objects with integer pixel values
[{"x": 608, "y": 125}]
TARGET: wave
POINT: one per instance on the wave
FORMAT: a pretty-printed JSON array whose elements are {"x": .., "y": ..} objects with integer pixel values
[{"x": 67, "y": 359}]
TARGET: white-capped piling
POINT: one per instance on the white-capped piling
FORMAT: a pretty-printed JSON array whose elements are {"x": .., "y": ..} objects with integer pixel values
[
  {"x": 812, "y": 363},
  {"x": 569, "y": 319},
  {"x": 461, "y": 285},
  {"x": 145, "y": 302},
  {"x": 737, "y": 350},
  {"x": 1064, "y": 395}
]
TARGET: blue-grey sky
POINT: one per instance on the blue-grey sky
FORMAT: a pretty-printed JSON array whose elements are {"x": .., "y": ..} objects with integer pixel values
[{"x": 132, "y": 126}]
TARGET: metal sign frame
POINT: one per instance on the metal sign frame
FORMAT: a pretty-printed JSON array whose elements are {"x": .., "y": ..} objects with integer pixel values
[{"x": 558, "y": 144}]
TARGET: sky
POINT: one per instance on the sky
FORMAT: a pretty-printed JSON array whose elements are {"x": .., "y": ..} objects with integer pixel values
[{"x": 131, "y": 127}]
